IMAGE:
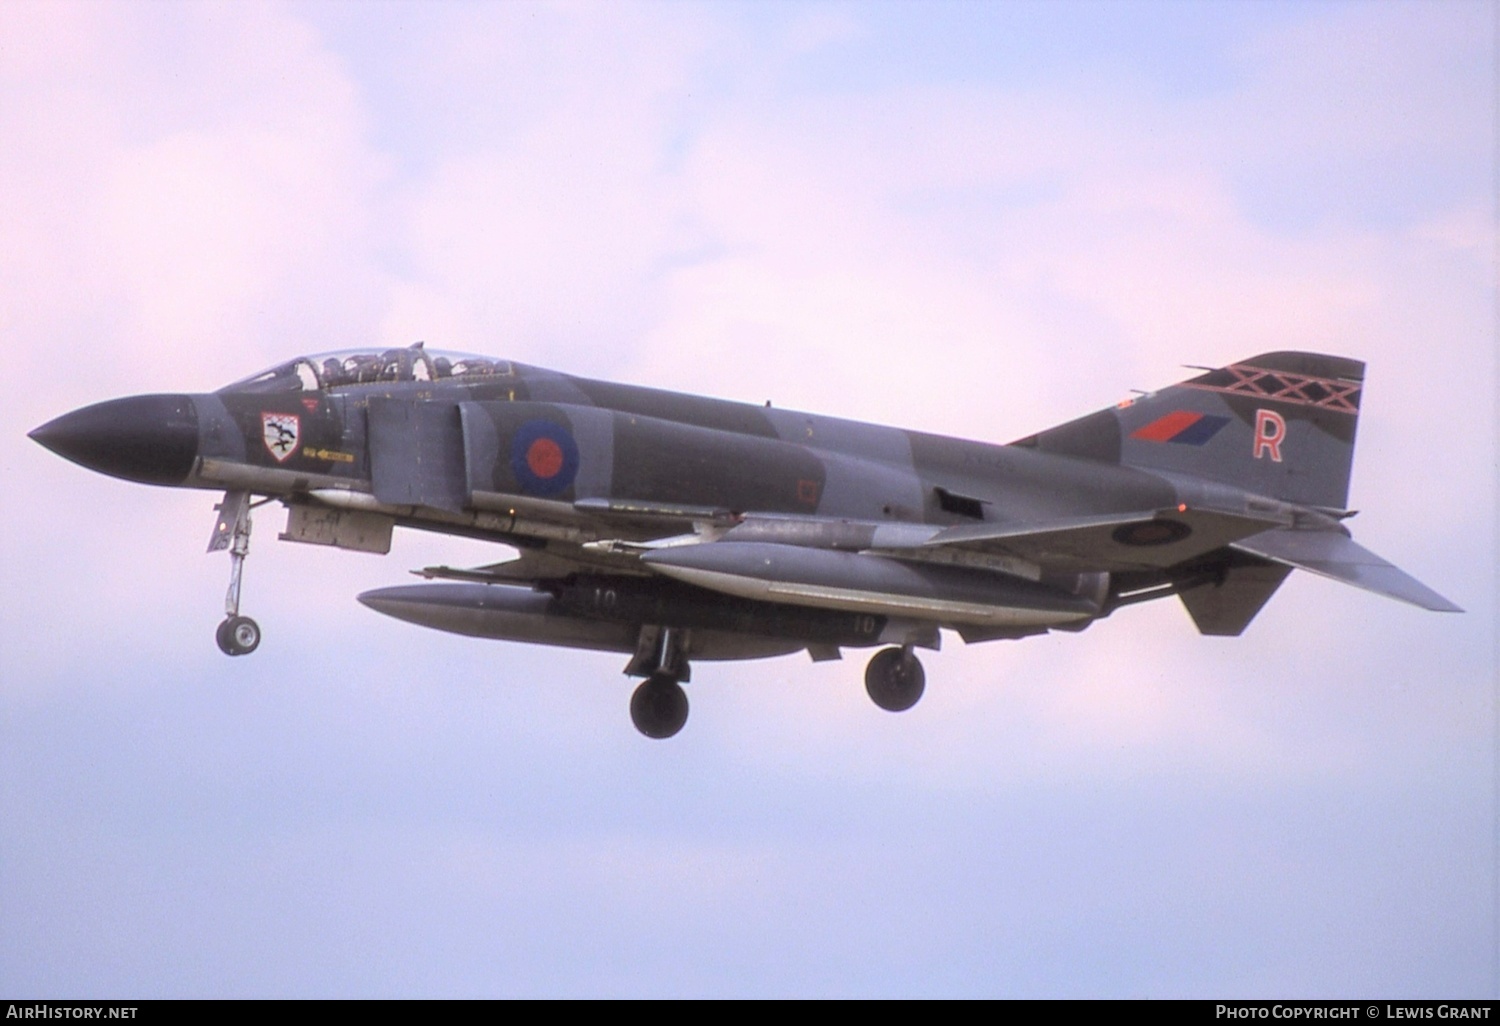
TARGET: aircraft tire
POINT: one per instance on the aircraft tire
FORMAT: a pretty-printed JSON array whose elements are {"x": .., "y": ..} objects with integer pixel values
[
  {"x": 238, "y": 635},
  {"x": 895, "y": 680},
  {"x": 659, "y": 707}
]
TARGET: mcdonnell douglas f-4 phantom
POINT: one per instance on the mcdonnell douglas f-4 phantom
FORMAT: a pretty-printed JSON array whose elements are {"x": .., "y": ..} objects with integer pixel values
[{"x": 672, "y": 528}]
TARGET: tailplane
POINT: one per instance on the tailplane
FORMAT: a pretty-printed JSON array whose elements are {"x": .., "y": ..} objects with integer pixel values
[{"x": 1336, "y": 555}]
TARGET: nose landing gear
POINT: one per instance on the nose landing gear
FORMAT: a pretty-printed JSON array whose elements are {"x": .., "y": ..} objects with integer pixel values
[{"x": 237, "y": 635}]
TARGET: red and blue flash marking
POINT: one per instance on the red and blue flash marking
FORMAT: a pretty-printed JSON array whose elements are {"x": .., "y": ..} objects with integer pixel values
[{"x": 1181, "y": 427}]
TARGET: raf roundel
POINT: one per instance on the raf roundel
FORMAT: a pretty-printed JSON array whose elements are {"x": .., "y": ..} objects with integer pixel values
[{"x": 544, "y": 457}]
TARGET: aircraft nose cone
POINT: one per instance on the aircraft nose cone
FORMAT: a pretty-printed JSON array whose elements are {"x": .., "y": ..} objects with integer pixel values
[{"x": 152, "y": 439}]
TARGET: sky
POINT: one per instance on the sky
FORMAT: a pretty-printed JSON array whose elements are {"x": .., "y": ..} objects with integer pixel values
[{"x": 974, "y": 219}]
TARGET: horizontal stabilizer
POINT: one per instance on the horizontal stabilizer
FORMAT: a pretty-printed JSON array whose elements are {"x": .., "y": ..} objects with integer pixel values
[{"x": 1338, "y": 556}]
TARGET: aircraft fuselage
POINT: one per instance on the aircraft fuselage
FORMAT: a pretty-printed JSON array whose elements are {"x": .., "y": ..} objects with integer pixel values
[{"x": 676, "y": 527}]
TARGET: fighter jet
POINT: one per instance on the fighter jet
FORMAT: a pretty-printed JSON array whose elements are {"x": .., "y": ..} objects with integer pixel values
[{"x": 672, "y": 528}]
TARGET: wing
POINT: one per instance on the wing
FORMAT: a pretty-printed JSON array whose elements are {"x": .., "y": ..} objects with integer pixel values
[
  {"x": 592, "y": 531},
  {"x": 1145, "y": 540}
]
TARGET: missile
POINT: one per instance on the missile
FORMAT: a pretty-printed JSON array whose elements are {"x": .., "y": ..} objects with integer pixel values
[{"x": 865, "y": 583}]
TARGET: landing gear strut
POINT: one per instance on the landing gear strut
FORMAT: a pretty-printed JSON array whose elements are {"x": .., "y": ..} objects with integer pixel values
[
  {"x": 237, "y": 635},
  {"x": 894, "y": 679},
  {"x": 659, "y": 707}
]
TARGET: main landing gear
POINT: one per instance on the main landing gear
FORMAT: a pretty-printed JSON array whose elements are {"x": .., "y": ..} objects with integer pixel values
[
  {"x": 659, "y": 707},
  {"x": 894, "y": 679},
  {"x": 237, "y": 635}
]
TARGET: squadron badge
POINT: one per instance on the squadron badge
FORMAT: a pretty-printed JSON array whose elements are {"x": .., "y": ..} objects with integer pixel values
[{"x": 282, "y": 432}]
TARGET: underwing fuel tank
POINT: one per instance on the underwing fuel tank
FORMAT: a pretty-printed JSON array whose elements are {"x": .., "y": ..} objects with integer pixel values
[
  {"x": 500, "y": 611},
  {"x": 511, "y": 613},
  {"x": 863, "y": 582}
]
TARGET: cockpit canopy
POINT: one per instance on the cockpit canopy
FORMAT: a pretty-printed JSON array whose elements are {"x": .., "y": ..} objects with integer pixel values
[{"x": 327, "y": 371}]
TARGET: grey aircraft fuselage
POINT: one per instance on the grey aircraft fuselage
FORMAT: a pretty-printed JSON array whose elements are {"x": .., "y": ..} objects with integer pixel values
[{"x": 675, "y": 527}]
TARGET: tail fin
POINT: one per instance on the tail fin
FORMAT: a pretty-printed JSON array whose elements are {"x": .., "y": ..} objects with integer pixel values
[{"x": 1278, "y": 424}]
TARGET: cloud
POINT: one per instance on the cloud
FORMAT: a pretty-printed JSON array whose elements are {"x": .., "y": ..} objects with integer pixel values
[{"x": 198, "y": 208}]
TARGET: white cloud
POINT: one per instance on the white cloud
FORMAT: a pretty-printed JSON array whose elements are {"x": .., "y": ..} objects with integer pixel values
[{"x": 183, "y": 207}]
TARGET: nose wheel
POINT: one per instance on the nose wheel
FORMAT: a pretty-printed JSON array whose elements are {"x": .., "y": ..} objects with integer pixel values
[{"x": 237, "y": 635}]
